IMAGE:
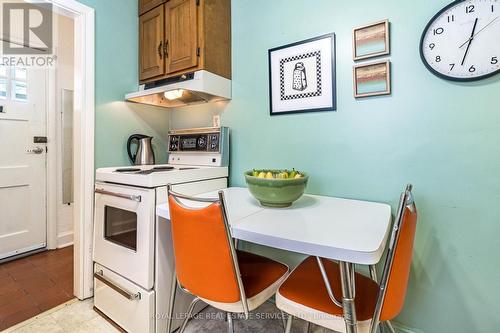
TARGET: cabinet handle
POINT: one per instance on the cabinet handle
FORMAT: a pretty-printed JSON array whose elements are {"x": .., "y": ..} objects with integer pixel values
[
  {"x": 165, "y": 49},
  {"x": 160, "y": 50}
]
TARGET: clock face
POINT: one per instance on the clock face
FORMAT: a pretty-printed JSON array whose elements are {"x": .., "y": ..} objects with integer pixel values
[{"x": 462, "y": 42}]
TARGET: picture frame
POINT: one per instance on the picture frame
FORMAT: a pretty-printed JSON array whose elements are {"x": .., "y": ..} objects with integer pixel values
[
  {"x": 372, "y": 79},
  {"x": 302, "y": 76},
  {"x": 371, "y": 40}
]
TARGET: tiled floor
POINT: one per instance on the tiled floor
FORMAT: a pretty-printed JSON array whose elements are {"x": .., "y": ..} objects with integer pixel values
[
  {"x": 78, "y": 317},
  {"x": 71, "y": 317},
  {"x": 32, "y": 285}
]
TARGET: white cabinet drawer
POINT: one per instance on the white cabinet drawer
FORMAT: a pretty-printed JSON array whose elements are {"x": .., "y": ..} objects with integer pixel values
[{"x": 127, "y": 304}]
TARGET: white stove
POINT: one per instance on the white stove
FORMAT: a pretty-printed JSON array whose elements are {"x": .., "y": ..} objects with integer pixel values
[
  {"x": 133, "y": 259},
  {"x": 159, "y": 175}
]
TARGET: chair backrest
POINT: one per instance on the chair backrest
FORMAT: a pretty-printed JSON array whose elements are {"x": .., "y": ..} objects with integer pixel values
[
  {"x": 204, "y": 254},
  {"x": 396, "y": 273}
]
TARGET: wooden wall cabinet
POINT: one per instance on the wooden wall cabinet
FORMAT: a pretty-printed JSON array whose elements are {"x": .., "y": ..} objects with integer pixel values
[
  {"x": 180, "y": 36},
  {"x": 147, "y": 5},
  {"x": 151, "y": 37}
]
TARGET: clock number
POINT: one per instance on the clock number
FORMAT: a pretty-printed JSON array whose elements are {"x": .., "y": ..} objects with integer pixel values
[
  {"x": 469, "y": 9},
  {"x": 452, "y": 66},
  {"x": 494, "y": 60},
  {"x": 438, "y": 31},
  {"x": 438, "y": 59},
  {"x": 472, "y": 69},
  {"x": 492, "y": 8},
  {"x": 451, "y": 18},
  {"x": 432, "y": 46}
]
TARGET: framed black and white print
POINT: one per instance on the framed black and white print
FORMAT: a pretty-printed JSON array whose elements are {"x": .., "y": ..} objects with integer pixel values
[{"x": 302, "y": 76}]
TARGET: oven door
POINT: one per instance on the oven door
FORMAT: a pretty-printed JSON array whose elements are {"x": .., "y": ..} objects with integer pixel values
[{"x": 124, "y": 231}]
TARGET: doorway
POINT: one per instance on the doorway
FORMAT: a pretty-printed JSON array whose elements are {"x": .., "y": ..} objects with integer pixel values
[
  {"x": 36, "y": 111},
  {"x": 36, "y": 138},
  {"x": 23, "y": 173},
  {"x": 83, "y": 143}
]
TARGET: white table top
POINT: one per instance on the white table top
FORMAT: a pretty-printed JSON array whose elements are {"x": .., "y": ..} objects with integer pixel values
[{"x": 342, "y": 229}]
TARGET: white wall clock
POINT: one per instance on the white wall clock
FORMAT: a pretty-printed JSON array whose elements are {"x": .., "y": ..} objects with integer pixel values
[{"x": 462, "y": 41}]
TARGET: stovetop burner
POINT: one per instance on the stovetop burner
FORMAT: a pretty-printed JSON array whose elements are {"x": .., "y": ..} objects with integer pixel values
[
  {"x": 138, "y": 171},
  {"x": 127, "y": 170},
  {"x": 155, "y": 169}
]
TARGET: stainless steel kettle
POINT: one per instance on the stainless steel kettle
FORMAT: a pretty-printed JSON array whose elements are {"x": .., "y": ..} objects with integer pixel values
[{"x": 144, "y": 153}]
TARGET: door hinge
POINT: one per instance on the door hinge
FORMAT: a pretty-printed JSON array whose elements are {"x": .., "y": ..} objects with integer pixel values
[{"x": 198, "y": 51}]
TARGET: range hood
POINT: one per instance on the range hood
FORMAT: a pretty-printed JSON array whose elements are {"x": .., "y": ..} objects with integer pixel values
[{"x": 187, "y": 89}]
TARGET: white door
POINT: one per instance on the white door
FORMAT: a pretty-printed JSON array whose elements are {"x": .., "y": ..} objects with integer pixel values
[{"x": 23, "y": 217}]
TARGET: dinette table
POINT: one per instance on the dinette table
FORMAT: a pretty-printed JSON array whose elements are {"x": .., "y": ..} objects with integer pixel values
[{"x": 349, "y": 231}]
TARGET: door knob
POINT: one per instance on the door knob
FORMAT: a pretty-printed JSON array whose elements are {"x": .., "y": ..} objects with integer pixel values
[{"x": 37, "y": 150}]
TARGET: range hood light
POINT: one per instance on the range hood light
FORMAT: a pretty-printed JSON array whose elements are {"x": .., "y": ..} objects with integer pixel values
[
  {"x": 193, "y": 88},
  {"x": 173, "y": 94}
]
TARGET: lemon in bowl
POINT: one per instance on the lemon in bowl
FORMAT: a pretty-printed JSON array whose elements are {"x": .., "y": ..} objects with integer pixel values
[{"x": 276, "y": 188}]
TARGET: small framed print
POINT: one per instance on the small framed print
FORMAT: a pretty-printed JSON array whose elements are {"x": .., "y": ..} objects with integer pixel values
[
  {"x": 372, "y": 79},
  {"x": 371, "y": 40},
  {"x": 302, "y": 76}
]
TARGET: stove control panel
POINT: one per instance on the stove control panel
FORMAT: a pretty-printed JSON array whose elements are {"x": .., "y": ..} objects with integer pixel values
[
  {"x": 208, "y": 146},
  {"x": 209, "y": 142}
]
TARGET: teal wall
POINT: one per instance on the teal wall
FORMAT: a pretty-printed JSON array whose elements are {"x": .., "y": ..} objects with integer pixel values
[
  {"x": 439, "y": 135},
  {"x": 116, "y": 68}
]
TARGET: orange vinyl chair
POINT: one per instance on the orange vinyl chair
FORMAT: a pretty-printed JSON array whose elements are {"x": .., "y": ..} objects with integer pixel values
[
  {"x": 313, "y": 289},
  {"x": 210, "y": 268}
]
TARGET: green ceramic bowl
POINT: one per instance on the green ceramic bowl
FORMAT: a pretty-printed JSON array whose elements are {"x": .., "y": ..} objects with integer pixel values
[{"x": 276, "y": 192}]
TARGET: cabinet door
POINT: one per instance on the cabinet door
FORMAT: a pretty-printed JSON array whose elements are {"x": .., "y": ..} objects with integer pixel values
[
  {"x": 147, "y": 5},
  {"x": 181, "y": 28},
  {"x": 151, "y": 62}
]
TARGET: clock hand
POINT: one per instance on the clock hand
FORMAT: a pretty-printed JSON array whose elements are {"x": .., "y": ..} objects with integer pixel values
[
  {"x": 470, "y": 41},
  {"x": 477, "y": 33}
]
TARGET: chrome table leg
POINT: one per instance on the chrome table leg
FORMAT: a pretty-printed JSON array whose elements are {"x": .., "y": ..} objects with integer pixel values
[{"x": 348, "y": 295}]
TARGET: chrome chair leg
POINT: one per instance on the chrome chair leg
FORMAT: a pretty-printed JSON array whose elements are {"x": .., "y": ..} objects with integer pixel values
[
  {"x": 288, "y": 327},
  {"x": 189, "y": 314},
  {"x": 230, "y": 326},
  {"x": 173, "y": 290},
  {"x": 283, "y": 320},
  {"x": 389, "y": 326}
]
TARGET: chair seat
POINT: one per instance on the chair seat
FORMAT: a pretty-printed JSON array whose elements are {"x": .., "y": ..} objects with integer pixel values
[
  {"x": 258, "y": 272},
  {"x": 261, "y": 278},
  {"x": 304, "y": 295}
]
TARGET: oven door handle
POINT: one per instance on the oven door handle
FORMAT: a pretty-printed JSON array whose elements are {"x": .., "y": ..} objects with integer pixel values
[
  {"x": 119, "y": 195},
  {"x": 125, "y": 293}
]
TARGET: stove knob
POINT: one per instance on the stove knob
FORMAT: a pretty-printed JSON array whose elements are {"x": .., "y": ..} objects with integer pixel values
[{"x": 202, "y": 142}]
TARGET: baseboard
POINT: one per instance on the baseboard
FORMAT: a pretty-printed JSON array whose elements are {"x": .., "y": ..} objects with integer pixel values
[
  {"x": 64, "y": 239},
  {"x": 400, "y": 328}
]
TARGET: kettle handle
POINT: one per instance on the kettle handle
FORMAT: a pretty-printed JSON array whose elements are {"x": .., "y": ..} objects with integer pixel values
[{"x": 129, "y": 142}]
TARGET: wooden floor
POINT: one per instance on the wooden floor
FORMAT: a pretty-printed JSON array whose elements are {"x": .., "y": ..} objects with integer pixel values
[{"x": 32, "y": 285}]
